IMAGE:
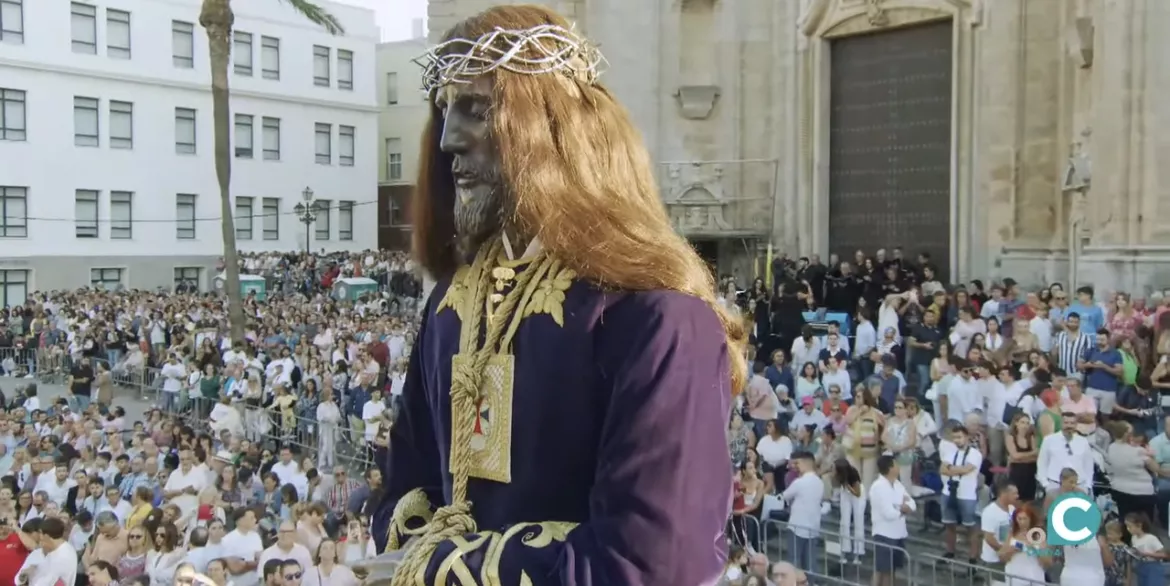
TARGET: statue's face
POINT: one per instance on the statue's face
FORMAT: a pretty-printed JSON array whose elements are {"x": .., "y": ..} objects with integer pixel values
[{"x": 475, "y": 163}]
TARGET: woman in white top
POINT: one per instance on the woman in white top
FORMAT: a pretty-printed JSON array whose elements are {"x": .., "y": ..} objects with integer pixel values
[
  {"x": 164, "y": 559},
  {"x": 329, "y": 418},
  {"x": 328, "y": 570},
  {"x": 807, "y": 382},
  {"x": 925, "y": 427},
  {"x": 901, "y": 440},
  {"x": 1084, "y": 565},
  {"x": 1023, "y": 559},
  {"x": 775, "y": 448},
  {"x": 1131, "y": 470}
]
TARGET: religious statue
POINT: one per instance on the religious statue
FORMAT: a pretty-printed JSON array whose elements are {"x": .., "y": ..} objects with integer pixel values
[{"x": 564, "y": 416}]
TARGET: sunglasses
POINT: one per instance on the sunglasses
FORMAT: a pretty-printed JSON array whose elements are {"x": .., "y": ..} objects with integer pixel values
[
  {"x": 293, "y": 576},
  {"x": 137, "y": 536}
]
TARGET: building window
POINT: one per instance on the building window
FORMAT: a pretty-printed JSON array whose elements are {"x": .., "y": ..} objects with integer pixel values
[
  {"x": 270, "y": 57},
  {"x": 243, "y": 136},
  {"x": 271, "y": 212},
  {"x": 243, "y": 218},
  {"x": 13, "y": 287},
  {"x": 12, "y": 121},
  {"x": 121, "y": 215},
  {"x": 13, "y": 212},
  {"x": 83, "y": 23},
  {"x": 242, "y": 52},
  {"x": 85, "y": 121},
  {"x": 188, "y": 277},
  {"x": 183, "y": 44},
  {"x": 107, "y": 279},
  {"x": 323, "y": 144},
  {"x": 345, "y": 145},
  {"x": 392, "y": 88},
  {"x": 121, "y": 125},
  {"x": 185, "y": 216},
  {"x": 271, "y": 138},
  {"x": 345, "y": 220},
  {"x": 117, "y": 34},
  {"x": 322, "y": 227},
  {"x": 397, "y": 214},
  {"x": 12, "y": 24},
  {"x": 184, "y": 131},
  {"x": 394, "y": 159},
  {"x": 320, "y": 65},
  {"x": 85, "y": 212},
  {"x": 344, "y": 69}
]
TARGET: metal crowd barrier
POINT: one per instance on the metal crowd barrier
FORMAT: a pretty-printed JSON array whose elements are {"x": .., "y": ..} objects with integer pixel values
[
  {"x": 52, "y": 366},
  {"x": 939, "y": 571},
  {"x": 834, "y": 556},
  {"x": 831, "y": 554}
]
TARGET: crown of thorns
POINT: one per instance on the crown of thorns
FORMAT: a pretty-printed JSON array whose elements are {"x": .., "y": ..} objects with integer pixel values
[{"x": 541, "y": 49}]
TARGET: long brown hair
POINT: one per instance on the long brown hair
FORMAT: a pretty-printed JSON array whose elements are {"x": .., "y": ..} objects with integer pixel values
[{"x": 580, "y": 180}]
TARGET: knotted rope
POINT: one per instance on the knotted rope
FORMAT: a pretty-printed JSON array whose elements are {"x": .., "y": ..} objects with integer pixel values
[{"x": 467, "y": 377}]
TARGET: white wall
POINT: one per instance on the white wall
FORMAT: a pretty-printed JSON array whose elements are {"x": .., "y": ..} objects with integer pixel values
[
  {"x": 52, "y": 167},
  {"x": 405, "y": 119}
]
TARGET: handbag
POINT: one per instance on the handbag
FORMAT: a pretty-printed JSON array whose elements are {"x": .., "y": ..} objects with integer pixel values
[{"x": 1009, "y": 412}]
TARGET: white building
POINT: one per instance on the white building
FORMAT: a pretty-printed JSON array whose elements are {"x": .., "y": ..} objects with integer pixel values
[
  {"x": 405, "y": 112},
  {"x": 107, "y": 169}
]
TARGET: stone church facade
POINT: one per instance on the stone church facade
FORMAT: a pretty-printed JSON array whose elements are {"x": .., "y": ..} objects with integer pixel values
[{"x": 1017, "y": 138}]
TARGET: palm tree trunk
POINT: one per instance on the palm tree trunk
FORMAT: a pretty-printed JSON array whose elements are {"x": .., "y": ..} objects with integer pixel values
[{"x": 217, "y": 19}]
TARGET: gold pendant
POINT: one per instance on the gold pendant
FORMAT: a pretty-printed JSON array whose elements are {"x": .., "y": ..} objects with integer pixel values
[{"x": 491, "y": 438}]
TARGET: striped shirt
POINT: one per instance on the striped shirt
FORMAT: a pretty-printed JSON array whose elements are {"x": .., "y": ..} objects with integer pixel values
[{"x": 1069, "y": 348}]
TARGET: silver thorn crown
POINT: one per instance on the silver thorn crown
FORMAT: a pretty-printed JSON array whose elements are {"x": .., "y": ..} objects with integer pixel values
[{"x": 541, "y": 49}]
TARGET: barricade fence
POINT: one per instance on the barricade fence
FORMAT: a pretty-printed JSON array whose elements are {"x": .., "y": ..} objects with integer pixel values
[
  {"x": 329, "y": 444},
  {"x": 851, "y": 557}
]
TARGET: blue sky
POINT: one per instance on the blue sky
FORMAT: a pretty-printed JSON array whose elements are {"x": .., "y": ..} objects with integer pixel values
[{"x": 394, "y": 16}]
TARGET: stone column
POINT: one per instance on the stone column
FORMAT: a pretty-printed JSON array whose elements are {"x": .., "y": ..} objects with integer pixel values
[{"x": 1117, "y": 118}]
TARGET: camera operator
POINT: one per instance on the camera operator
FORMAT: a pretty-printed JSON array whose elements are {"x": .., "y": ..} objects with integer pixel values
[{"x": 959, "y": 464}]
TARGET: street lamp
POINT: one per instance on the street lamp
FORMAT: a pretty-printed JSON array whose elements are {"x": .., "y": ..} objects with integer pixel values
[{"x": 307, "y": 212}]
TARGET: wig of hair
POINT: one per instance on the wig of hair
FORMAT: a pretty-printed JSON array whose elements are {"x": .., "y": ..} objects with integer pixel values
[{"x": 578, "y": 177}]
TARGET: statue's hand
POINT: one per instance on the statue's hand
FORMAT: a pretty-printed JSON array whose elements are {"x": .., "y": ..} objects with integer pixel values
[{"x": 379, "y": 571}]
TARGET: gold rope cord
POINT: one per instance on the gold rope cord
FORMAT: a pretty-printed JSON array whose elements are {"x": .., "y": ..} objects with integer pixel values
[{"x": 466, "y": 383}]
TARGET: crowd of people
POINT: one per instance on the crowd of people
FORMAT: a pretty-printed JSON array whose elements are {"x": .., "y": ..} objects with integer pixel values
[
  {"x": 995, "y": 399},
  {"x": 980, "y": 402},
  {"x": 252, "y": 467}
]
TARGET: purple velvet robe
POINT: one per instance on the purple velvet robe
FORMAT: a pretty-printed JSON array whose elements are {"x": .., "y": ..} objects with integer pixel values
[{"x": 619, "y": 424}]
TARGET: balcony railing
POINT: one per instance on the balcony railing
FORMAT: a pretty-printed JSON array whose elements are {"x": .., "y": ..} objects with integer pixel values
[{"x": 719, "y": 199}]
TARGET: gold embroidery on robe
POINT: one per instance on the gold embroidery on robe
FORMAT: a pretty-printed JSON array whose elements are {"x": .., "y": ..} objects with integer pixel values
[
  {"x": 457, "y": 292},
  {"x": 549, "y": 296},
  {"x": 491, "y": 439},
  {"x": 454, "y": 562},
  {"x": 537, "y": 535}
]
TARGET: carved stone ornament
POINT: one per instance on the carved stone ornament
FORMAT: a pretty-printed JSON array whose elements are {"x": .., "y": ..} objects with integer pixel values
[
  {"x": 696, "y": 102},
  {"x": 876, "y": 13},
  {"x": 1080, "y": 41},
  {"x": 694, "y": 197},
  {"x": 1078, "y": 174}
]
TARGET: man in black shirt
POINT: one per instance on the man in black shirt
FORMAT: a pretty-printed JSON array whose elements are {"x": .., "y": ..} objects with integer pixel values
[
  {"x": 1139, "y": 407},
  {"x": 921, "y": 347},
  {"x": 80, "y": 380},
  {"x": 842, "y": 289}
]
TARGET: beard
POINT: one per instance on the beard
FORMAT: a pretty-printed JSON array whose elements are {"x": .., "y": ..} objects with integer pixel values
[{"x": 479, "y": 215}]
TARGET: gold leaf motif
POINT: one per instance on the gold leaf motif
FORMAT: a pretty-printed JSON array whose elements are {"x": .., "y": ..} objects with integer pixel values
[
  {"x": 535, "y": 535},
  {"x": 457, "y": 292},
  {"x": 504, "y": 273},
  {"x": 549, "y": 297}
]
